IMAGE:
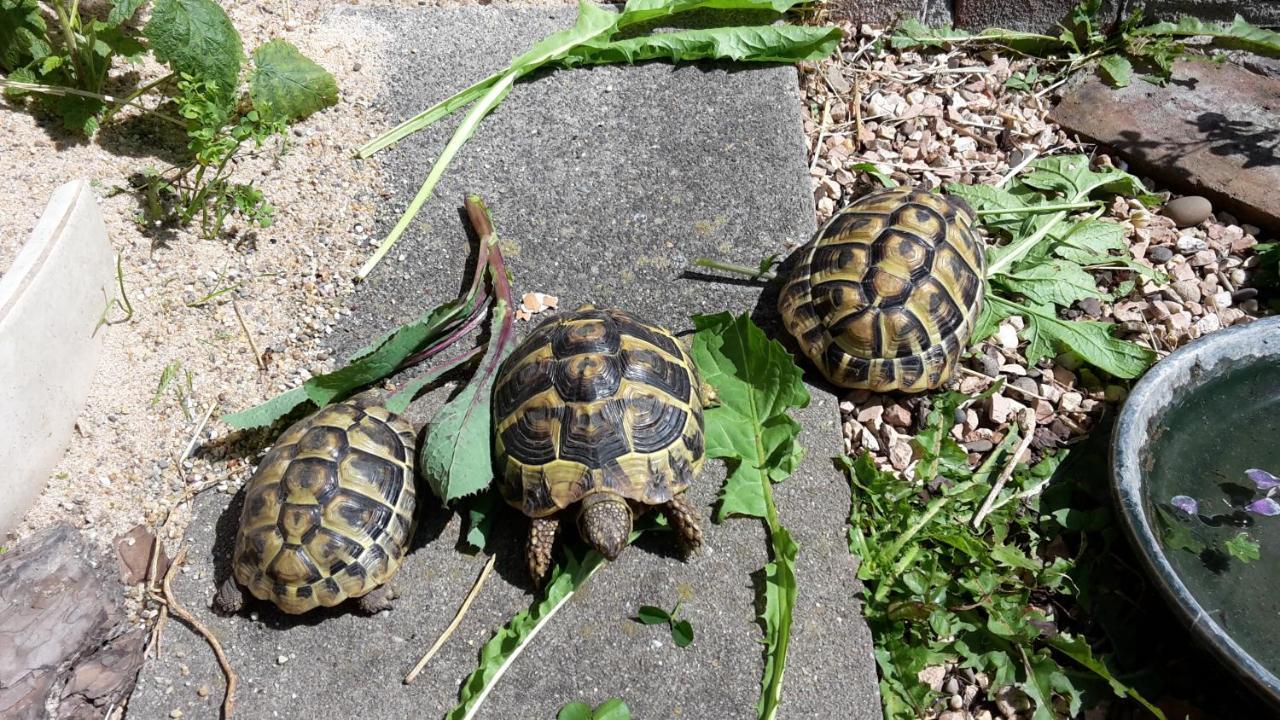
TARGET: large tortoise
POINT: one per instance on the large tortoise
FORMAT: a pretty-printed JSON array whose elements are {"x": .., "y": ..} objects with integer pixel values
[
  {"x": 598, "y": 412},
  {"x": 886, "y": 294},
  {"x": 329, "y": 513}
]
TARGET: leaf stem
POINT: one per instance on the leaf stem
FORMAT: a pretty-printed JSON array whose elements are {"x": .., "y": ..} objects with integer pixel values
[
  {"x": 1017, "y": 250},
  {"x": 754, "y": 273},
  {"x": 1032, "y": 209},
  {"x": 490, "y": 100}
]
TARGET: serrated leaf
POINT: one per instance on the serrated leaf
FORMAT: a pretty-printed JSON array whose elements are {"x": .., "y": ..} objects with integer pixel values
[
  {"x": 1243, "y": 548},
  {"x": 757, "y": 382},
  {"x": 1078, "y": 649},
  {"x": 914, "y": 34},
  {"x": 122, "y": 11},
  {"x": 1091, "y": 340},
  {"x": 1117, "y": 70},
  {"x": 682, "y": 633},
  {"x": 22, "y": 34},
  {"x": 1239, "y": 35},
  {"x": 1091, "y": 242},
  {"x": 507, "y": 643},
  {"x": 1045, "y": 679},
  {"x": 197, "y": 38},
  {"x": 287, "y": 84},
  {"x": 480, "y": 517},
  {"x": 652, "y": 615},
  {"x": 763, "y": 43},
  {"x": 575, "y": 711},
  {"x": 1057, "y": 281},
  {"x": 268, "y": 412},
  {"x": 1072, "y": 176},
  {"x": 457, "y": 457},
  {"x": 779, "y": 602}
]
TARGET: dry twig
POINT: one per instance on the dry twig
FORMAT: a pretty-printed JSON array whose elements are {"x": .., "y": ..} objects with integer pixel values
[
  {"x": 168, "y": 600},
  {"x": 257, "y": 358},
  {"x": 1027, "y": 425},
  {"x": 457, "y": 620}
]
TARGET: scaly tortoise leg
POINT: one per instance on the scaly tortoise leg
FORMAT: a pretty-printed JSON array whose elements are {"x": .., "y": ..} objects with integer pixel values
[
  {"x": 376, "y": 601},
  {"x": 684, "y": 520},
  {"x": 229, "y": 598},
  {"x": 542, "y": 540}
]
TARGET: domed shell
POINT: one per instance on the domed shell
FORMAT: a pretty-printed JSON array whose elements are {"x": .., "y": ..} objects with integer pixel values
[
  {"x": 597, "y": 399},
  {"x": 330, "y": 511},
  {"x": 886, "y": 294}
]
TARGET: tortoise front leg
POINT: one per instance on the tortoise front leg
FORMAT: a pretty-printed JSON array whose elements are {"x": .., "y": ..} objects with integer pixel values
[
  {"x": 229, "y": 598},
  {"x": 377, "y": 600},
  {"x": 542, "y": 540},
  {"x": 684, "y": 520}
]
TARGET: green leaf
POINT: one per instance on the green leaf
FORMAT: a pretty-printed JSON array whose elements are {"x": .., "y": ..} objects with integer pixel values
[
  {"x": 882, "y": 177},
  {"x": 652, "y": 615},
  {"x": 1091, "y": 340},
  {"x": 384, "y": 357},
  {"x": 1091, "y": 242},
  {"x": 1057, "y": 282},
  {"x": 457, "y": 458},
  {"x": 764, "y": 43},
  {"x": 1078, "y": 649},
  {"x": 268, "y": 412},
  {"x": 1117, "y": 70},
  {"x": 1239, "y": 35},
  {"x": 287, "y": 84},
  {"x": 122, "y": 11},
  {"x": 757, "y": 382},
  {"x": 575, "y": 711},
  {"x": 1243, "y": 548},
  {"x": 915, "y": 34},
  {"x": 1072, "y": 176},
  {"x": 682, "y": 633},
  {"x": 779, "y": 602},
  {"x": 1045, "y": 679},
  {"x": 197, "y": 38},
  {"x": 22, "y": 34},
  {"x": 507, "y": 643},
  {"x": 1176, "y": 532},
  {"x": 613, "y": 709}
]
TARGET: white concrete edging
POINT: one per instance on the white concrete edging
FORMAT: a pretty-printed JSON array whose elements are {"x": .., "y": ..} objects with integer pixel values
[{"x": 50, "y": 301}]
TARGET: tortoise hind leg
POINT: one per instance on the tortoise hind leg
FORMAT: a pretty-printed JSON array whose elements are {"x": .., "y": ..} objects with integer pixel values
[
  {"x": 229, "y": 598},
  {"x": 376, "y": 601},
  {"x": 542, "y": 540},
  {"x": 684, "y": 520}
]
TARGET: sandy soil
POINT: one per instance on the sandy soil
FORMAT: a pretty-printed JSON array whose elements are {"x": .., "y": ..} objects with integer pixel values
[{"x": 291, "y": 279}]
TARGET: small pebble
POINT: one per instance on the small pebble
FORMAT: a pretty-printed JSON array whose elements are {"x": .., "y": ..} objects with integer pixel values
[
  {"x": 203, "y": 691},
  {"x": 1027, "y": 384},
  {"x": 1189, "y": 210},
  {"x": 951, "y": 686},
  {"x": 282, "y": 659},
  {"x": 1190, "y": 244},
  {"x": 977, "y": 446},
  {"x": 175, "y": 713},
  {"x": 1160, "y": 254},
  {"x": 955, "y": 702}
]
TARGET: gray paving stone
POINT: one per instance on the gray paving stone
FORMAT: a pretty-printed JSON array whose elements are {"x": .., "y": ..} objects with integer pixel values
[{"x": 606, "y": 183}]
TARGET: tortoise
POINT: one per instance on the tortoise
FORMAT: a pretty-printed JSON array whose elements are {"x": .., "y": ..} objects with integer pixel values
[
  {"x": 329, "y": 513},
  {"x": 600, "y": 413},
  {"x": 885, "y": 295}
]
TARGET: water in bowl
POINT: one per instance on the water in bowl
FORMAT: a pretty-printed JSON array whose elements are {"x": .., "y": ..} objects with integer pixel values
[{"x": 1209, "y": 438}]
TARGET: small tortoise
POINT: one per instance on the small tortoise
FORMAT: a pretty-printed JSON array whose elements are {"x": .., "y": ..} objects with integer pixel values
[
  {"x": 599, "y": 410},
  {"x": 329, "y": 513},
  {"x": 886, "y": 294}
]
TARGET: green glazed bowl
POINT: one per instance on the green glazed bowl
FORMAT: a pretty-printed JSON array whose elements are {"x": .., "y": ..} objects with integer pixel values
[{"x": 1190, "y": 428}]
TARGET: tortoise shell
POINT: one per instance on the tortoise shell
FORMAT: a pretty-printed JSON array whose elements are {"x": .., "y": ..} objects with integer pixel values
[
  {"x": 886, "y": 294},
  {"x": 597, "y": 400},
  {"x": 329, "y": 513}
]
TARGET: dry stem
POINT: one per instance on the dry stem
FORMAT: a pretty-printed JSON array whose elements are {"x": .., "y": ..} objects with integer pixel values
[
  {"x": 174, "y": 607},
  {"x": 457, "y": 620},
  {"x": 1027, "y": 424}
]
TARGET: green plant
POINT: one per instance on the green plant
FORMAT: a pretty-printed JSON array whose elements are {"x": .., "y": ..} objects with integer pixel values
[
  {"x": 756, "y": 383},
  {"x": 947, "y": 582},
  {"x": 1084, "y": 42},
  {"x": 72, "y": 52},
  {"x": 66, "y": 64},
  {"x": 594, "y": 40},
  {"x": 122, "y": 302},
  {"x": 612, "y": 709},
  {"x": 681, "y": 630}
]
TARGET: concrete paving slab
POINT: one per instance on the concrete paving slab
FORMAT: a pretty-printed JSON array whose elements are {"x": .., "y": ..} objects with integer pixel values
[
  {"x": 1213, "y": 131},
  {"x": 605, "y": 183}
]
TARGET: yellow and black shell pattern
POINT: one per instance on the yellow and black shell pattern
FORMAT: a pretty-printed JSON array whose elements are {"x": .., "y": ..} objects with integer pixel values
[
  {"x": 329, "y": 514},
  {"x": 597, "y": 400},
  {"x": 886, "y": 294}
]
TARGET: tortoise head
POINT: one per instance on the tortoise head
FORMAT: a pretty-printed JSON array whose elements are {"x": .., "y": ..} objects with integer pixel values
[{"x": 605, "y": 522}]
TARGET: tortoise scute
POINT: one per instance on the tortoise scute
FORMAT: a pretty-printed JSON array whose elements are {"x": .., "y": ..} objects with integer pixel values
[
  {"x": 885, "y": 295},
  {"x": 600, "y": 408},
  {"x": 329, "y": 513}
]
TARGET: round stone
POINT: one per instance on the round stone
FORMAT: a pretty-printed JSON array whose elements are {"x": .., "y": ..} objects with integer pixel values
[
  {"x": 1160, "y": 254},
  {"x": 1188, "y": 210}
]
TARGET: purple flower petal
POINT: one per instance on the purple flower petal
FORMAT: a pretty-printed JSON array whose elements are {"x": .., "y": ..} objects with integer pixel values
[
  {"x": 1265, "y": 506},
  {"x": 1186, "y": 504},
  {"x": 1263, "y": 479}
]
